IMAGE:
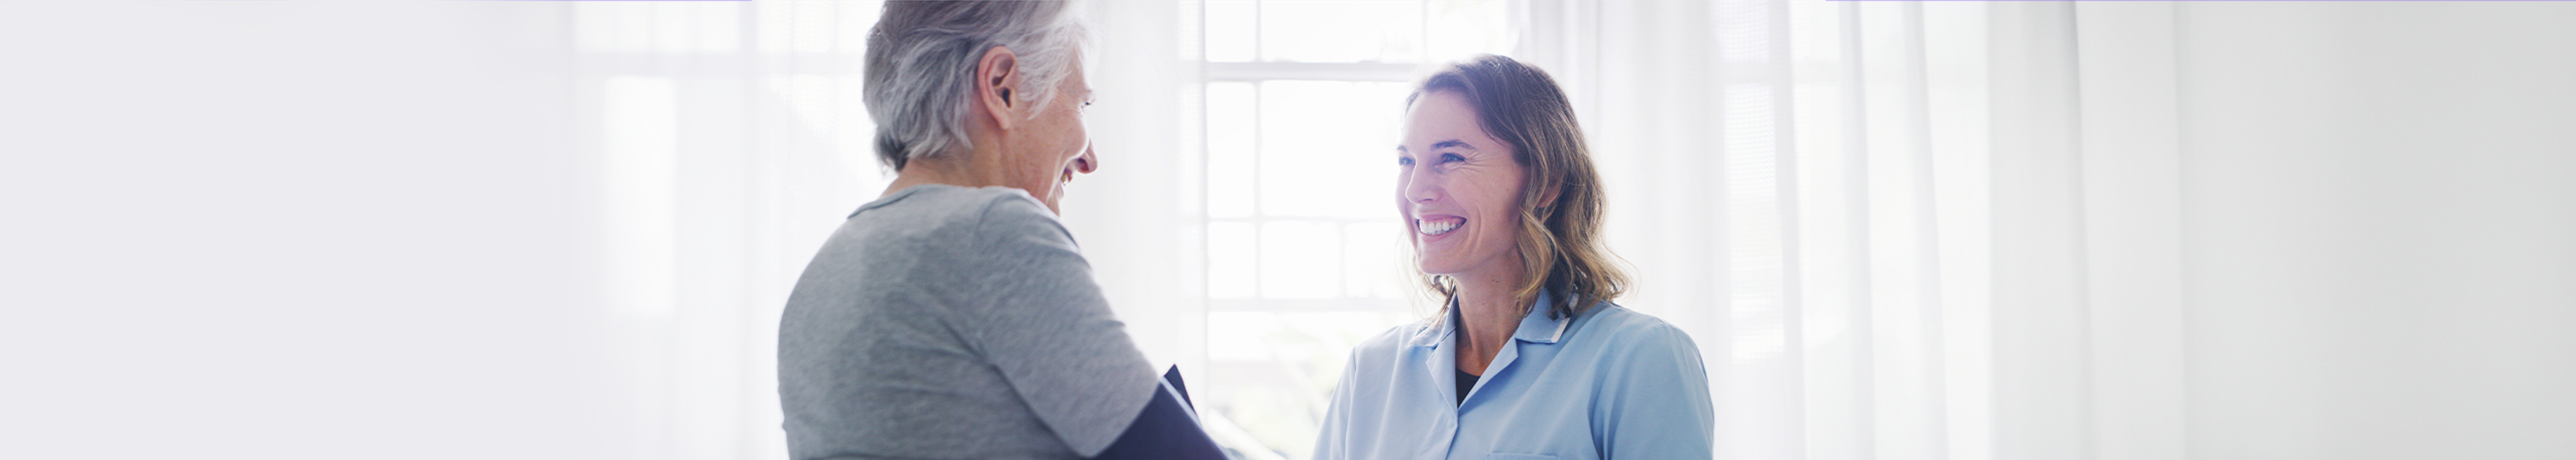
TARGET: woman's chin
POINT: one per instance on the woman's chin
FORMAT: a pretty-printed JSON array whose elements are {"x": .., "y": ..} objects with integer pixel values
[{"x": 1442, "y": 268}]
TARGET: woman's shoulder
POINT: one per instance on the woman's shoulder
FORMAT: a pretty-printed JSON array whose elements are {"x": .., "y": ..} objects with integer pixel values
[
  {"x": 1392, "y": 339},
  {"x": 1384, "y": 348},
  {"x": 942, "y": 203},
  {"x": 947, "y": 212},
  {"x": 1616, "y": 327}
]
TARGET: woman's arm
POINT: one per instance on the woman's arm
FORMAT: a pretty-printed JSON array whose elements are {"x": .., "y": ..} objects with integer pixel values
[{"x": 1028, "y": 306}]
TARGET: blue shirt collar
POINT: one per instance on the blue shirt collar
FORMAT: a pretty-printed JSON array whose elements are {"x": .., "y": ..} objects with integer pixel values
[{"x": 1535, "y": 325}]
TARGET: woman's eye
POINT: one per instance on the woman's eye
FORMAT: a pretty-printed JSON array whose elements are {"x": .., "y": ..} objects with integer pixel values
[
  {"x": 1403, "y": 161},
  {"x": 1451, "y": 158}
]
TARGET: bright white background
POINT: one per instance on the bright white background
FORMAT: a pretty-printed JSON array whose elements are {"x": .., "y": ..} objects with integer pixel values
[{"x": 1950, "y": 230}]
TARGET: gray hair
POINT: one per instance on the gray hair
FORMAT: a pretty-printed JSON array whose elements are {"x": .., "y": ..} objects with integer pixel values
[{"x": 921, "y": 62}]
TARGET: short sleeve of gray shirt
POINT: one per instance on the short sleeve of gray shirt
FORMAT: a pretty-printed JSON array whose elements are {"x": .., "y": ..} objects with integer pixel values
[{"x": 949, "y": 322}]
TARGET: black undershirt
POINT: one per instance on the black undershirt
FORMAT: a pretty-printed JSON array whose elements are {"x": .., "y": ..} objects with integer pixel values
[{"x": 1466, "y": 382}]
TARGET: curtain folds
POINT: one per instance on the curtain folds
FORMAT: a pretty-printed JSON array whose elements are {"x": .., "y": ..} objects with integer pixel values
[
  {"x": 1874, "y": 216},
  {"x": 730, "y": 140}
]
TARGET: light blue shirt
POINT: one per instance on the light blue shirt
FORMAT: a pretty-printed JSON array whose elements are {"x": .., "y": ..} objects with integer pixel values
[{"x": 1609, "y": 383}]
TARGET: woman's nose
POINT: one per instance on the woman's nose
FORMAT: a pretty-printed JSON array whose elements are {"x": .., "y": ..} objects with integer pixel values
[
  {"x": 1418, "y": 186},
  {"x": 1087, "y": 162}
]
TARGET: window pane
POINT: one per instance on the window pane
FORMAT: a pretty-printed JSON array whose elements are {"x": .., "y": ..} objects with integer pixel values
[
  {"x": 1341, "y": 31},
  {"x": 1242, "y": 337},
  {"x": 1230, "y": 137},
  {"x": 1232, "y": 268},
  {"x": 1459, "y": 28},
  {"x": 1298, "y": 260},
  {"x": 1273, "y": 373},
  {"x": 1232, "y": 27},
  {"x": 1376, "y": 262},
  {"x": 1328, "y": 148}
]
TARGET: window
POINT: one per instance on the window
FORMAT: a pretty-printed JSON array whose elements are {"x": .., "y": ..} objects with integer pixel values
[{"x": 1305, "y": 250}]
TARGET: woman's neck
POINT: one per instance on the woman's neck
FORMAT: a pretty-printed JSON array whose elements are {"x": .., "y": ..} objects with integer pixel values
[
  {"x": 1488, "y": 312},
  {"x": 969, "y": 169}
]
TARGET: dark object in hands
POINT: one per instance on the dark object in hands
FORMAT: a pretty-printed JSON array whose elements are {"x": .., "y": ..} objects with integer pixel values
[{"x": 1167, "y": 429}]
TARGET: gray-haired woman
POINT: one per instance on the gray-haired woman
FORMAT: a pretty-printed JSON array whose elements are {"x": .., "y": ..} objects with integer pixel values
[{"x": 953, "y": 317}]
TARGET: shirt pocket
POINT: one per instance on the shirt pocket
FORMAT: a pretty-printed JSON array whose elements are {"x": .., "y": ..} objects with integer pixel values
[{"x": 1519, "y": 457}]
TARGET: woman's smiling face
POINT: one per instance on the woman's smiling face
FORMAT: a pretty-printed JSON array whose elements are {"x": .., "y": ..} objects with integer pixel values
[{"x": 1460, "y": 190}]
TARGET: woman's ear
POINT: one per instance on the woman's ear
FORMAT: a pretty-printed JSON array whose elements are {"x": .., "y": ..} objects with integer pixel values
[
  {"x": 997, "y": 86},
  {"x": 1548, "y": 190}
]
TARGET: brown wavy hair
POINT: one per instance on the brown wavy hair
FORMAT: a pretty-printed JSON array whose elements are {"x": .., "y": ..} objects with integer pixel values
[{"x": 1560, "y": 202}]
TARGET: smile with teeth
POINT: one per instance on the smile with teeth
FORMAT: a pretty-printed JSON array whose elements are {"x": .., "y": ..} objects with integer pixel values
[{"x": 1437, "y": 227}]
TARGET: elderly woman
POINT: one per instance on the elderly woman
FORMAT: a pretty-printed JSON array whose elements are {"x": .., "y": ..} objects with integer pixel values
[
  {"x": 1529, "y": 359},
  {"x": 953, "y": 317}
]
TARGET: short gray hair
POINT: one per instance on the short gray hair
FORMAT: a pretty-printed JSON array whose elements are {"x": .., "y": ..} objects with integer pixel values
[{"x": 921, "y": 64}]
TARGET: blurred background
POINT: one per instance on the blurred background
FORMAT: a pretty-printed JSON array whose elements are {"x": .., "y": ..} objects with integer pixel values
[{"x": 1948, "y": 230}]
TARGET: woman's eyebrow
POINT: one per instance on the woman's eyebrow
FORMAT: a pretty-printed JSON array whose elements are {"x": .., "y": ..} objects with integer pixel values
[{"x": 1452, "y": 143}]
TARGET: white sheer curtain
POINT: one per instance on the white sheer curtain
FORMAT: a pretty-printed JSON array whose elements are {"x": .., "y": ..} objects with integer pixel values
[
  {"x": 1891, "y": 226},
  {"x": 728, "y": 141}
]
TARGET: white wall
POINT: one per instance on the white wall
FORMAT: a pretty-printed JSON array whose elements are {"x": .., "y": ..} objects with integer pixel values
[
  {"x": 2379, "y": 226},
  {"x": 295, "y": 230}
]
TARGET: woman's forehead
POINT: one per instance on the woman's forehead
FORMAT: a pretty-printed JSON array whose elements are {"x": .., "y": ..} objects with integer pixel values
[{"x": 1440, "y": 117}]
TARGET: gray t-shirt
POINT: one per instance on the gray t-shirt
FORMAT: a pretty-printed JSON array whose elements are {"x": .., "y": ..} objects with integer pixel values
[{"x": 948, "y": 322}]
